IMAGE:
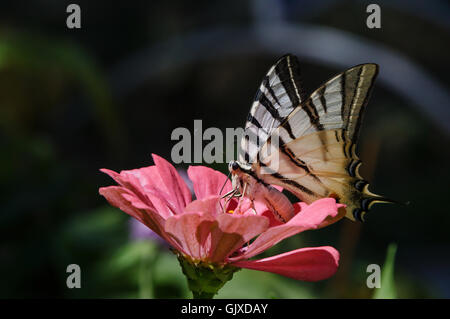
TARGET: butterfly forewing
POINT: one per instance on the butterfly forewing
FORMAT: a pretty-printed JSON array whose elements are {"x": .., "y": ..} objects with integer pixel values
[{"x": 280, "y": 93}]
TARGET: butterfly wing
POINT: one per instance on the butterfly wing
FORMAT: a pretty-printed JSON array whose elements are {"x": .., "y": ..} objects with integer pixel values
[
  {"x": 280, "y": 93},
  {"x": 316, "y": 144}
]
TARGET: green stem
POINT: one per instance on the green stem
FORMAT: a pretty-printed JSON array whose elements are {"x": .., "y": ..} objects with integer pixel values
[{"x": 204, "y": 295}]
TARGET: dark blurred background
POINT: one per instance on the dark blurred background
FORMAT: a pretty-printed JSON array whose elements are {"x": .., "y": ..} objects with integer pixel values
[{"x": 109, "y": 94}]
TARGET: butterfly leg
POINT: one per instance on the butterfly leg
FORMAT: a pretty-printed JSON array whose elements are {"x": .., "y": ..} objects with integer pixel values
[
  {"x": 231, "y": 194},
  {"x": 228, "y": 196},
  {"x": 253, "y": 207},
  {"x": 240, "y": 197}
]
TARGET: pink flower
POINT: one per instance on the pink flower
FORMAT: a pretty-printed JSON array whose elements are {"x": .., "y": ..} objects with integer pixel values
[{"x": 200, "y": 229}]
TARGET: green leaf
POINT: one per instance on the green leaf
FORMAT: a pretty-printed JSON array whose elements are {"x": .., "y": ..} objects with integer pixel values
[{"x": 387, "y": 290}]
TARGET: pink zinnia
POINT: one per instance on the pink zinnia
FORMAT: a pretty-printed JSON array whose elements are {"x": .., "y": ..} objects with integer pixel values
[{"x": 205, "y": 235}]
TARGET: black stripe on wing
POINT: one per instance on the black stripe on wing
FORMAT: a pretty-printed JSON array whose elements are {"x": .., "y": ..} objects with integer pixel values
[
  {"x": 279, "y": 94},
  {"x": 288, "y": 71},
  {"x": 286, "y": 180},
  {"x": 357, "y": 84}
]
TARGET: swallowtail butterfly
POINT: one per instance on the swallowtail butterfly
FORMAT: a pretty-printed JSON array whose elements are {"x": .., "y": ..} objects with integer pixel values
[{"x": 312, "y": 141}]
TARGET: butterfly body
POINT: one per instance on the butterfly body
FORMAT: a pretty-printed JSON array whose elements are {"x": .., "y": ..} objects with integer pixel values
[
  {"x": 245, "y": 179},
  {"x": 306, "y": 144}
]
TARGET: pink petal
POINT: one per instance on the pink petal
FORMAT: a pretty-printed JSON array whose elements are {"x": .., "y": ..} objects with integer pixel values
[
  {"x": 112, "y": 174},
  {"x": 308, "y": 218},
  {"x": 207, "y": 181},
  {"x": 203, "y": 236},
  {"x": 162, "y": 202},
  {"x": 307, "y": 264},
  {"x": 209, "y": 205},
  {"x": 137, "y": 179},
  {"x": 128, "y": 181},
  {"x": 232, "y": 231},
  {"x": 190, "y": 231},
  {"x": 299, "y": 206},
  {"x": 177, "y": 188},
  {"x": 139, "y": 182},
  {"x": 123, "y": 199}
]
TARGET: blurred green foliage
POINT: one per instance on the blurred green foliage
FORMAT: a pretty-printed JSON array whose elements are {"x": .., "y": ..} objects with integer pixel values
[
  {"x": 387, "y": 289},
  {"x": 35, "y": 63}
]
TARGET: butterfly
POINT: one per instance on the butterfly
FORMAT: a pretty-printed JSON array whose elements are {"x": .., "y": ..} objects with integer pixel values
[{"x": 303, "y": 144}]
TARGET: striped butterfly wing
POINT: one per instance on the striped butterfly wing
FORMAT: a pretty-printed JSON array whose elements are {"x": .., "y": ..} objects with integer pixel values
[
  {"x": 280, "y": 93},
  {"x": 317, "y": 141}
]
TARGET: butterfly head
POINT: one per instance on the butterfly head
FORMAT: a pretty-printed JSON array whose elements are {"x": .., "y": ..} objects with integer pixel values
[
  {"x": 236, "y": 168},
  {"x": 239, "y": 173},
  {"x": 233, "y": 166}
]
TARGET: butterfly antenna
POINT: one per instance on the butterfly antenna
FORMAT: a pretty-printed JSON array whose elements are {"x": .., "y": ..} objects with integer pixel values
[{"x": 223, "y": 186}]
